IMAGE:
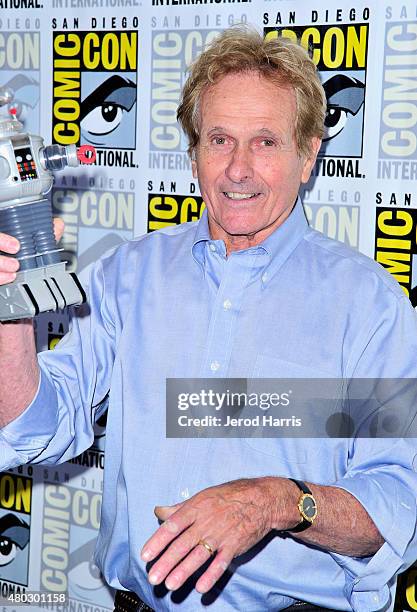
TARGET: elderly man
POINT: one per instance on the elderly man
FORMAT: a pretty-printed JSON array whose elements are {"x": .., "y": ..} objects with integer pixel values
[{"x": 253, "y": 524}]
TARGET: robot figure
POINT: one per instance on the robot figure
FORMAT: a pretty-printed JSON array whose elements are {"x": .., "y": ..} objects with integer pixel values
[{"x": 42, "y": 283}]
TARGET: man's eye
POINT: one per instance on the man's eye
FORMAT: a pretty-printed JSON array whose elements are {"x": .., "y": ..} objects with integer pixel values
[
  {"x": 219, "y": 140},
  {"x": 267, "y": 142}
]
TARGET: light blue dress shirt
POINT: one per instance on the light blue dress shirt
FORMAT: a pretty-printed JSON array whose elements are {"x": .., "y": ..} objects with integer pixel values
[{"x": 170, "y": 304}]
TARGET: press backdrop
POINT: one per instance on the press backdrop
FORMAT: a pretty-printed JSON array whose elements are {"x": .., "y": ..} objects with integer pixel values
[{"x": 65, "y": 59}]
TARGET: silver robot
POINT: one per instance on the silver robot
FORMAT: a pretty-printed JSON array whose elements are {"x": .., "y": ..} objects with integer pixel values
[{"x": 42, "y": 283}]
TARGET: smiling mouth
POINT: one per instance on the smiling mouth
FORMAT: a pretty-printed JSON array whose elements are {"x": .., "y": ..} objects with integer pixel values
[{"x": 233, "y": 195}]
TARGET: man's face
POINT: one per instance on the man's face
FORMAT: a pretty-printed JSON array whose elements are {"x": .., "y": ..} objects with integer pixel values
[{"x": 247, "y": 162}]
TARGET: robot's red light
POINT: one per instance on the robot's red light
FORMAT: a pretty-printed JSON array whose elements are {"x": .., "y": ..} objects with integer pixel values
[{"x": 86, "y": 154}]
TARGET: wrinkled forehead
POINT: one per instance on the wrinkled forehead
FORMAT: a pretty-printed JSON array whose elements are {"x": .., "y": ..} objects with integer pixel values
[
  {"x": 249, "y": 83},
  {"x": 245, "y": 100}
]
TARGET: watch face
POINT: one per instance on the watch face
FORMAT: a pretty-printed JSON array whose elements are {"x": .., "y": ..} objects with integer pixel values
[{"x": 309, "y": 507}]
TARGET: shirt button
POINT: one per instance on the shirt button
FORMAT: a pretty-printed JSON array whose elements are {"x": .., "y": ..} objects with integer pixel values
[
  {"x": 375, "y": 598},
  {"x": 212, "y": 247},
  {"x": 227, "y": 304},
  {"x": 214, "y": 366},
  {"x": 264, "y": 277}
]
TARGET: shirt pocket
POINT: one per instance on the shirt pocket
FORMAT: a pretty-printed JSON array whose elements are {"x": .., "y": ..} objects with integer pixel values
[{"x": 284, "y": 448}]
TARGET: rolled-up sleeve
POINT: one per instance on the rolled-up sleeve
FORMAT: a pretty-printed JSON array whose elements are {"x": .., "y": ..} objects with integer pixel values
[
  {"x": 381, "y": 472},
  {"x": 74, "y": 381},
  {"x": 26, "y": 437},
  {"x": 384, "y": 481}
]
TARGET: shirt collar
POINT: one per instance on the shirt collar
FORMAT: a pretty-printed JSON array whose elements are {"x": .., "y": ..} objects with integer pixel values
[
  {"x": 278, "y": 246},
  {"x": 202, "y": 235}
]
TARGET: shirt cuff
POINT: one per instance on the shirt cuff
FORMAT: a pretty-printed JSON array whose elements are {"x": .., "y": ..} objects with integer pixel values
[
  {"x": 370, "y": 582},
  {"x": 27, "y": 436}
]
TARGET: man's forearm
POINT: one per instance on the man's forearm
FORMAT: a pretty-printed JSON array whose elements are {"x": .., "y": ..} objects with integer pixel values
[
  {"x": 19, "y": 371},
  {"x": 234, "y": 516},
  {"x": 342, "y": 524}
]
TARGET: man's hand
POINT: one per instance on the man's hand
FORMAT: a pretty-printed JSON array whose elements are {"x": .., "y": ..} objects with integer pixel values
[
  {"x": 19, "y": 371},
  {"x": 10, "y": 265},
  {"x": 230, "y": 518}
]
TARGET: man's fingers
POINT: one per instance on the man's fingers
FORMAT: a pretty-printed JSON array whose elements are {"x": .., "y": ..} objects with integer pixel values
[
  {"x": 184, "y": 542},
  {"x": 164, "y": 512},
  {"x": 187, "y": 567},
  {"x": 8, "y": 268},
  {"x": 215, "y": 571},
  {"x": 169, "y": 530},
  {"x": 178, "y": 550},
  {"x": 9, "y": 244},
  {"x": 59, "y": 227},
  {"x": 7, "y": 277},
  {"x": 9, "y": 264}
]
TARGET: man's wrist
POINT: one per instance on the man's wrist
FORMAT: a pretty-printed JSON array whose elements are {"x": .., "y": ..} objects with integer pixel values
[{"x": 283, "y": 498}]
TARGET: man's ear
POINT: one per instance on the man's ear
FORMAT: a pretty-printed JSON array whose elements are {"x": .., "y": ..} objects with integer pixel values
[
  {"x": 194, "y": 164},
  {"x": 311, "y": 159}
]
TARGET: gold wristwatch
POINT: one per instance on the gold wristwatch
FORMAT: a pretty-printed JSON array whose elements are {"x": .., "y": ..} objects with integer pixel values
[{"x": 307, "y": 507}]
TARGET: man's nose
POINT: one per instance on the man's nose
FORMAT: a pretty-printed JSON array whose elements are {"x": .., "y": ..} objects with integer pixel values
[{"x": 239, "y": 167}]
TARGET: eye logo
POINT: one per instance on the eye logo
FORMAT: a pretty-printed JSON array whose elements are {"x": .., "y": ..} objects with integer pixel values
[
  {"x": 15, "y": 518},
  {"x": 14, "y": 534},
  {"x": 107, "y": 116},
  {"x": 14, "y": 548},
  {"x": 85, "y": 582},
  {"x": 339, "y": 52},
  {"x": 84, "y": 578},
  {"x": 94, "y": 90},
  {"x": 345, "y": 96},
  {"x": 345, "y": 102}
]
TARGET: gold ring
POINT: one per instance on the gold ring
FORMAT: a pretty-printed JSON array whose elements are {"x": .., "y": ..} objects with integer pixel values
[{"x": 206, "y": 546}]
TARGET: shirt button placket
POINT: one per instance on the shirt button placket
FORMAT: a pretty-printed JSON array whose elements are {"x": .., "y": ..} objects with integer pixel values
[{"x": 219, "y": 351}]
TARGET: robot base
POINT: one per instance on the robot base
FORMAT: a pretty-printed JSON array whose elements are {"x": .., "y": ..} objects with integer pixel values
[{"x": 39, "y": 290}]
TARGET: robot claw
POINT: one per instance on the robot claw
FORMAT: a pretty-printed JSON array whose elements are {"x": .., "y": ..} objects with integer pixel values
[{"x": 42, "y": 289}]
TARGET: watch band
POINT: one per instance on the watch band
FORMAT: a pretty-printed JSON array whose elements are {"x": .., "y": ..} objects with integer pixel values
[
  {"x": 302, "y": 486},
  {"x": 304, "y": 524}
]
